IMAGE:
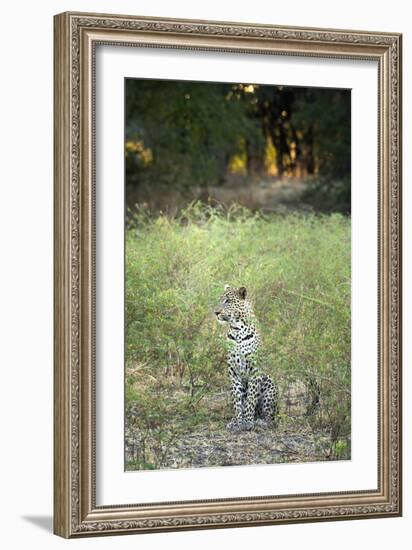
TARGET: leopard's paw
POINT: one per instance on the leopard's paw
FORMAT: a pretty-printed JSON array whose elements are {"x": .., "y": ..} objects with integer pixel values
[
  {"x": 262, "y": 423},
  {"x": 234, "y": 425},
  {"x": 248, "y": 425}
]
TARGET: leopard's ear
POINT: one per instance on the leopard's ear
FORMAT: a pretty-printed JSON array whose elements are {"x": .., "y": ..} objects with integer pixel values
[
  {"x": 242, "y": 292},
  {"x": 227, "y": 287}
]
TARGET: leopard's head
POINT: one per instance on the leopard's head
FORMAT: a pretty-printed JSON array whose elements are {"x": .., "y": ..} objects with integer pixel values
[{"x": 234, "y": 307}]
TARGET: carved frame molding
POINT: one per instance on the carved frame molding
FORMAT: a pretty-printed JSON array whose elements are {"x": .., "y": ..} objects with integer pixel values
[{"x": 76, "y": 36}]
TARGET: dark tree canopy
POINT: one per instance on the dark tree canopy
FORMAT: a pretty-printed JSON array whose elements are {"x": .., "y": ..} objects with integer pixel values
[{"x": 195, "y": 134}]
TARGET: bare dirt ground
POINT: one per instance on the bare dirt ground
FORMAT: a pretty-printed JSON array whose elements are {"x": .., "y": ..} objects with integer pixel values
[
  {"x": 269, "y": 194},
  {"x": 210, "y": 444},
  {"x": 218, "y": 447},
  {"x": 260, "y": 446},
  {"x": 272, "y": 194}
]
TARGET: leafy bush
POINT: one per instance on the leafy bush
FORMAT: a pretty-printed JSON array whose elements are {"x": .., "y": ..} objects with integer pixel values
[{"x": 297, "y": 271}]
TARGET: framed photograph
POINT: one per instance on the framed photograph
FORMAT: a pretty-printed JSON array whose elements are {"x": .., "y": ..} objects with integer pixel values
[{"x": 227, "y": 274}]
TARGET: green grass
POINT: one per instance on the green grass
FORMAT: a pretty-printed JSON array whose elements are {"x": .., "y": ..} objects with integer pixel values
[{"x": 296, "y": 269}]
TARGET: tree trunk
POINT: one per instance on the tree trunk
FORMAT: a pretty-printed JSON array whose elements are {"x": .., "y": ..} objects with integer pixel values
[
  {"x": 310, "y": 161},
  {"x": 255, "y": 164}
]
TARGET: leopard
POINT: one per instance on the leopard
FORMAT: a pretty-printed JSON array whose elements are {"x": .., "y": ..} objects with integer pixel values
[{"x": 254, "y": 393}]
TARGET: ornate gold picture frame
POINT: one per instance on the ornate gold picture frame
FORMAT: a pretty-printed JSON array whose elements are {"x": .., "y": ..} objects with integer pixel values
[{"x": 76, "y": 37}]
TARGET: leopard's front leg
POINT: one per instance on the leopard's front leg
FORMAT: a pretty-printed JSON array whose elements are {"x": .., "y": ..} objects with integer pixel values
[
  {"x": 236, "y": 424},
  {"x": 253, "y": 389}
]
